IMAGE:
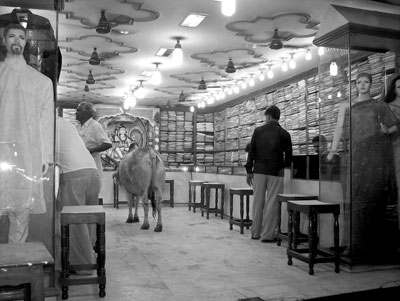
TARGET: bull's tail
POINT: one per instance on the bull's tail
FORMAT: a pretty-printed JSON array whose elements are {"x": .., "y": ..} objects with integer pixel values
[{"x": 151, "y": 194}]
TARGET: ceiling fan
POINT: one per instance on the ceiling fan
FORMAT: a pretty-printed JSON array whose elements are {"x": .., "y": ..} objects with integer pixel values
[
  {"x": 107, "y": 24},
  {"x": 276, "y": 42}
]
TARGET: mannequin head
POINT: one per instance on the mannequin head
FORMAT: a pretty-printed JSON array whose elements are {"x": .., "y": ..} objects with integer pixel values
[
  {"x": 14, "y": 39},
  {"x": 393, "y": 91},
  {"x": 363, "y": 84}
]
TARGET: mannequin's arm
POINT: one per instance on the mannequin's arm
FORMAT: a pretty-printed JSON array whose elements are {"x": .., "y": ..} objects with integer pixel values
[{"x": 338, "y": 130}]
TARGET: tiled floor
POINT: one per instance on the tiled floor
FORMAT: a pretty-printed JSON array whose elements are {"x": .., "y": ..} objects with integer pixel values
[{"x": 198, "y": 259}]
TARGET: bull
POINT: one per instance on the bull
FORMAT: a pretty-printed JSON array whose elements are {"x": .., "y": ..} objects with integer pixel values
[{"x": 142, "y": 173}]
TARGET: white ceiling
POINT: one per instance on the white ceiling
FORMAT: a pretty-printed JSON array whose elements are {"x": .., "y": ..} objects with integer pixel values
[{"x": 244, "y": 37}]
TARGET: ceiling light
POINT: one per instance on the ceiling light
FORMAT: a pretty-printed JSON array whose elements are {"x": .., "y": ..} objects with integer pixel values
[
  {"x": 156, "y": 76},
  {"x": 94, "y": 59},
  {"x": 165, "y": 52},
  {"x": 276, "y": 42},
  {"x": 86, "y": 89},
  {"x": 244, "y": 84},
  {"x": 104, "y": 26},
  {"x": 284, "y": 66},
  {"x": 270, "y": 74},
  {"x": 231, "y": 67},
  {"x": 292, "y": 63},
  {"x": 182, "y": 97},
  {"x": 129, "y": 102},
  {"x": 90, "y": 80},
  {"x": 236, "y": 89},
  {"x": 193, "y": 20},
  {"x": 228, "y": 7},
  {"x": 251, "y": 82},
  {"x": 202, "y": 85},
  {"x": 261, "y": 76},
  {"x": 191, "y": 108},
  {"x": 333, "y": 69},
  {"x": 321, "y": 50},
  {"x": 177, "y": 55},
  {"x": 140, "y": 92},
  {"x": 308, "y": 55},
  {"x": 210, "y": 100}
]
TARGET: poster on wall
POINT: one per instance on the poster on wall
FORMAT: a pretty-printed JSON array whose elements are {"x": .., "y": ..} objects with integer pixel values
[{"x": 123, "y": 130}]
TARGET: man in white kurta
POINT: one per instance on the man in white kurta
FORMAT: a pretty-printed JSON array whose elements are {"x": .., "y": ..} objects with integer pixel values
[
  {"x": 92, "y": 133},
  {"x": 26, "y": 135}
]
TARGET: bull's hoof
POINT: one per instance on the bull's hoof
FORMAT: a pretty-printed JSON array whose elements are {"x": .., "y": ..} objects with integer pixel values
[
  {"x": 129, "y": 220},
  {"x": 158, "y": 228},
  {"x": 145, "y": 227},
  {"x": 136, "y": 219}
]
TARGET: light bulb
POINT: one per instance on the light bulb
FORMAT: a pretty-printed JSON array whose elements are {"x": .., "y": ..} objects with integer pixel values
[
  {"x": 228, "y": 7},
  {"x": 270, "y": 74},
  {"x": 333, "y": 69},
  {"x": 191, "y": 108},
  {"x": 292, "y": 63},
  {"x": 177, "y": 54},
  {"x": 236, "y": 89},
  {"x": 284, "y": 66},
  {"x": 251, "y": 82},
  {"x": 321, "y": 50},
  {"x": 156, "y": 77},
  {"x": 308, "y": 55},
  {"x": 244, "y": 85},
  {"x": 261, "y": 76}
]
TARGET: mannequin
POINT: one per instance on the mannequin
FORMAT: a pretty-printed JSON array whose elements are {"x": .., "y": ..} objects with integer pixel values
[{"x": 370, "y": 167}]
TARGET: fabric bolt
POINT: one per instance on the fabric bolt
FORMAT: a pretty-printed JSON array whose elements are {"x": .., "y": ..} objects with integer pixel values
[
  {"x": 93, "y": 135},
  {"x": 266, "y": 207},
  {"x": 26, "y": 134}
]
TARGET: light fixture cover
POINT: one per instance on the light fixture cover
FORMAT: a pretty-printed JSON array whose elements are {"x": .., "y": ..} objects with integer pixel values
[
  {"x": 276, "y": 42},
  {"x": 182, "y": 97},
  {"x": 86, "y": 89},
  {"x": 202, "y": 85},
  {"x": 90, "y": 80},
  {"x": 94, "y": 59},
  {"x": 231, "y": 67},
  {"x": 104, "y": 26}
]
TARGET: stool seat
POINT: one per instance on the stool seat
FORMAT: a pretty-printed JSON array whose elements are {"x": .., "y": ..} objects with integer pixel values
[
  {"x": 83, "y": 215},
  {"x": 312, "y": 254},
  {"x": 192, "y": 194},
  {"x": 207, "y": 186},
  {"x": 23, "y": 263},
  {"x": 284, "y": 198},
  {"x": 241, "y": 222}
]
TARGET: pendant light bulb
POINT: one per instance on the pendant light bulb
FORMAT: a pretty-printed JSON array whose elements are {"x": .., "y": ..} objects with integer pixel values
[
  {"x": 228, "y": 7},
  {"x": 261, "y": 76},
  {"x": 270, "y": 73},
  {"x": 192, "y": 109},
  {"x": 156, "y": 78},
  {"x": 333, "y": 69},
  {"x": 292, "y": 63},
  {"x": 321, "y": 51},
  {"x": 284, "y": 66},
  {"x": 308, "y": 55},
  {"x": 251, "y": 82},
  {"x": 177, "y": 54}
]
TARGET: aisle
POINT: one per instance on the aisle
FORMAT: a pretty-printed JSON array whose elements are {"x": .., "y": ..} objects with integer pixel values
[{"x": 199, "y": 260}]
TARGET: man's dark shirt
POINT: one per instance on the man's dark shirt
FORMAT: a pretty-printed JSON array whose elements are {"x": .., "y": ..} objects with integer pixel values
[{"x": 270, "y": 150}]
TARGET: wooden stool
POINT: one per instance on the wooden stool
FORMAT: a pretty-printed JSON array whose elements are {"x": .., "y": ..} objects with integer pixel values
[
  {"x": 240, "y": 221},
  {"x": 171, "y": 193},
  {"x": 83, "y": 215},
  {"x": 312, "y": 208},
  {"x": 192, "y": 194},
  {"x": 283, "y": 198},
  {"x": 22, "y": 263},
  {"x": 206, "y": 208}
]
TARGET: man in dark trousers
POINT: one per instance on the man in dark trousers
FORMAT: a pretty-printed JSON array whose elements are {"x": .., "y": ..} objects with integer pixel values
[{"x": 269, "y": 160}]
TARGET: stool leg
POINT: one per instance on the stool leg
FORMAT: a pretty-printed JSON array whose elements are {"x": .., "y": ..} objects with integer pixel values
[
  {"x": 230, "y": 211},
  {"x": 101, "y": 259},
  {"x": 222, "y": 202},
  {"x": 336, "y": 241},
  {"x": 312, "y": 241},
  {"x": 290, "y": 236},
  {"x": 171, "y": 192},
  {"x": 278, "y": 229},
  {"x": 216, "y": 201},
  {"x": 194, "y": 199},
  {"x": 208, "y": 202},
  {"x": 241, "y": 214},
  {"x": 64, "y": 260},
  {"x": 296, "y": 227},
  {"x": 247, "y": 210}
]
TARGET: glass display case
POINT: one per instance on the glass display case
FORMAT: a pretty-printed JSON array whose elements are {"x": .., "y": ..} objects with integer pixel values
[
  {"x": 356, "y": 158},
  {"x": 29, "y": 68}
]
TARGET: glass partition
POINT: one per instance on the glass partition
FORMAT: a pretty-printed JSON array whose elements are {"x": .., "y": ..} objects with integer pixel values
[
  {"x": 29, "y": 69},
  {"x": 355, "y": 155}
]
